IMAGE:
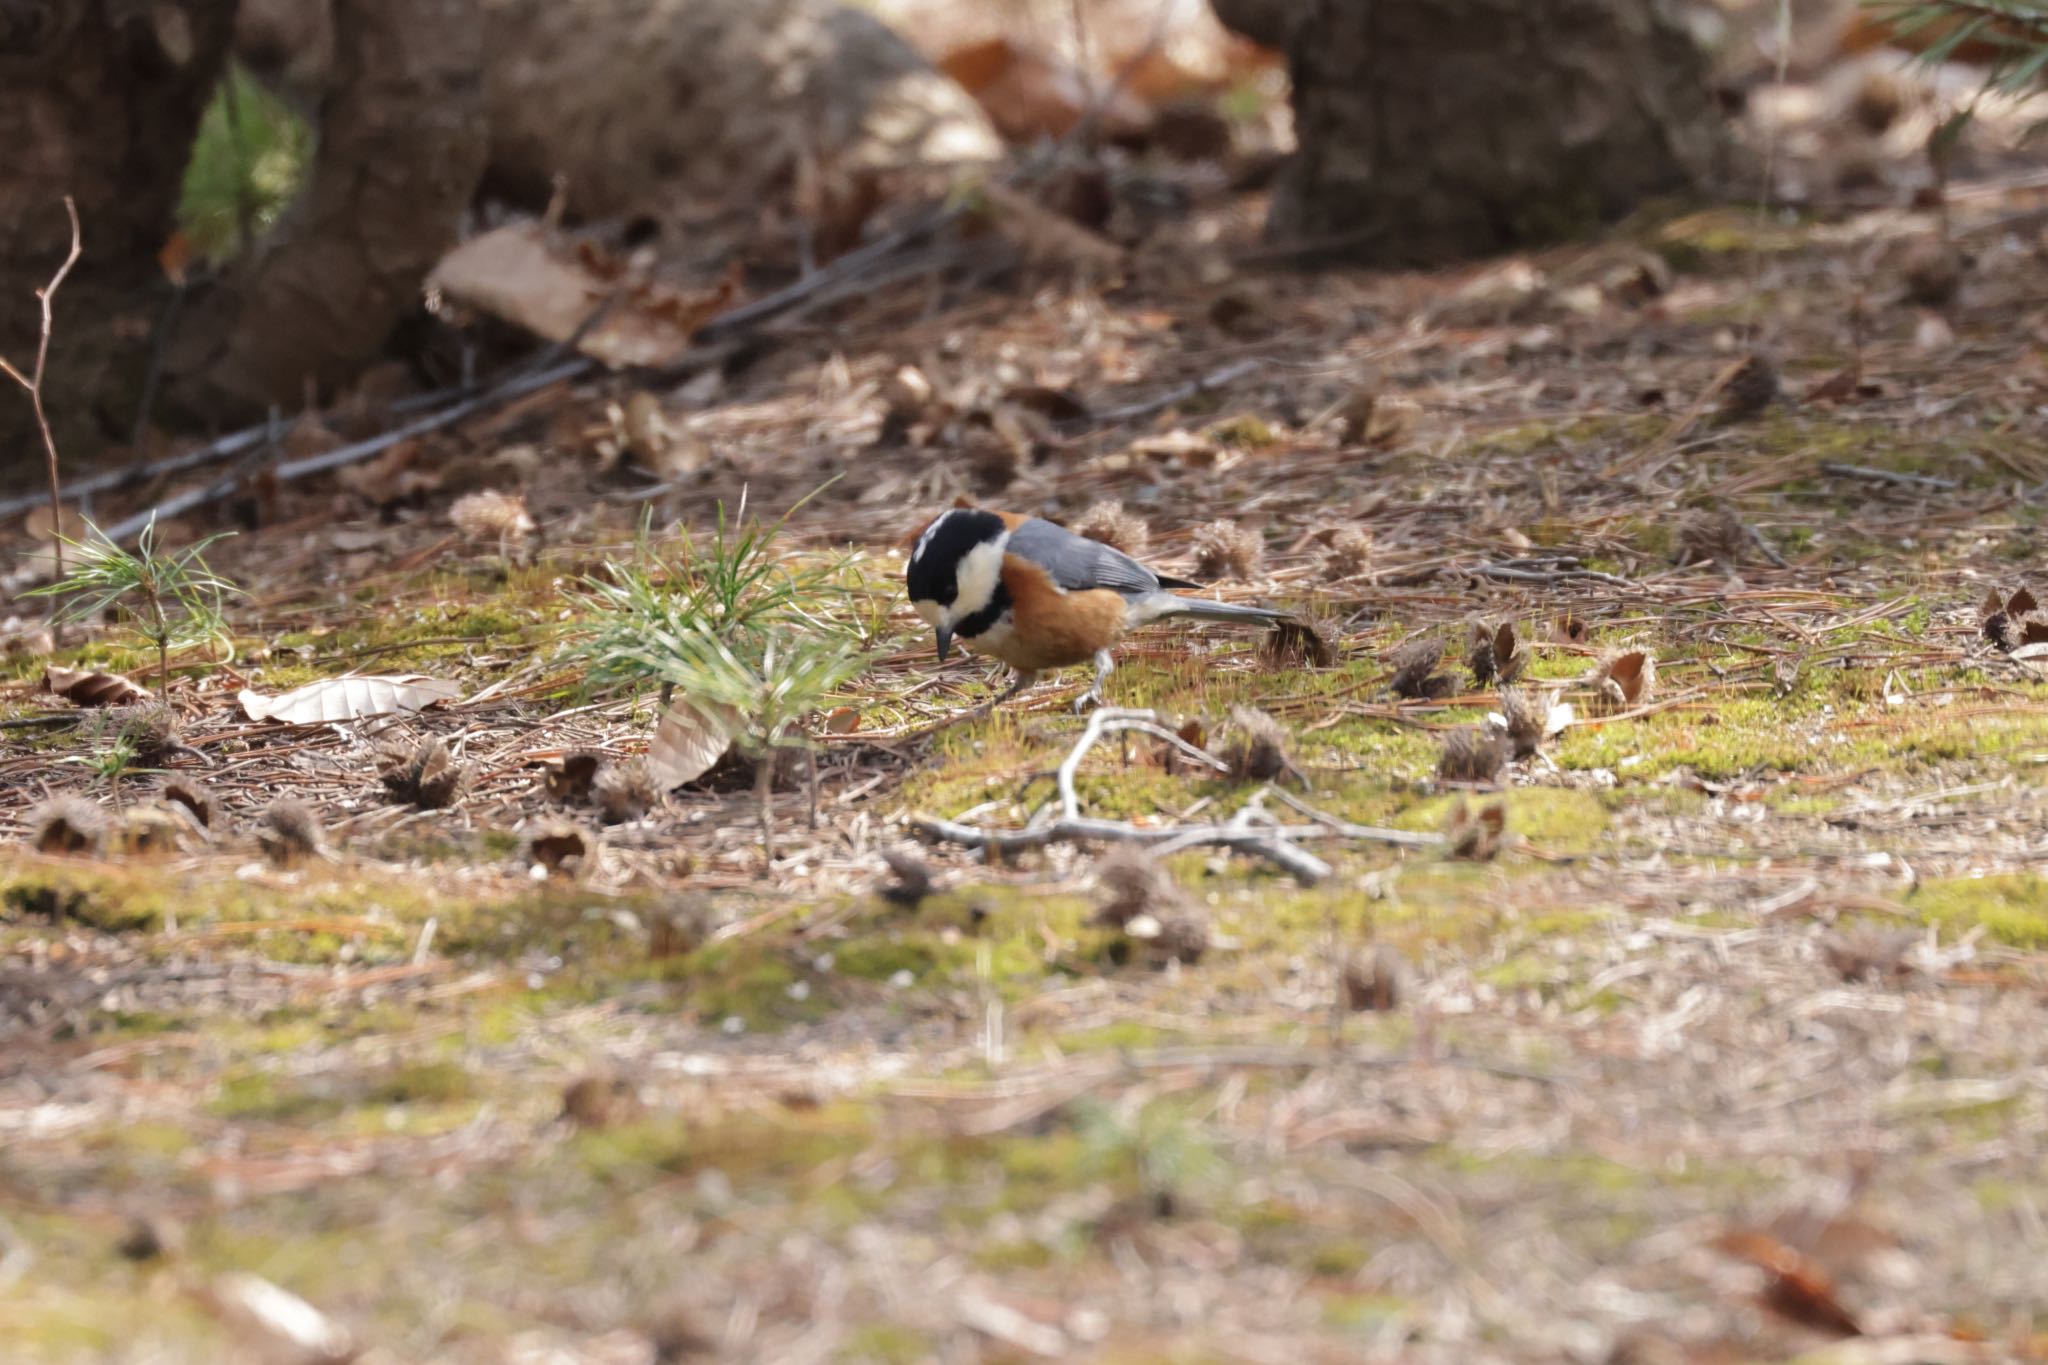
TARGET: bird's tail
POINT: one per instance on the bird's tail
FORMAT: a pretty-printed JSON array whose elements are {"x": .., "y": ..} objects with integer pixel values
[{"x": 1160, "y": 605}]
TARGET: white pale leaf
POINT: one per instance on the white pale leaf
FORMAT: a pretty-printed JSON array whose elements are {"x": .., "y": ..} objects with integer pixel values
[
  {"x": 689, "y": 738},
  {"x": 278, "y": 1322},
  {"x": 352, "y": 698}
]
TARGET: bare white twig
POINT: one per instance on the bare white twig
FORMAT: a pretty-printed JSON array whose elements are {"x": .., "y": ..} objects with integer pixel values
[
  {"x": 1274, "y": 842},
  {"x": 34, "y": 385}
]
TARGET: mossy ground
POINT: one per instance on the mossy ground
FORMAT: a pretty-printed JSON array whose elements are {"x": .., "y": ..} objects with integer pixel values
[{"x": 821, "y": 1124}]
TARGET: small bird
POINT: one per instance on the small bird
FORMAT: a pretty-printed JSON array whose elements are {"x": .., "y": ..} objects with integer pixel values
[{"x": 1037, "y": 596}]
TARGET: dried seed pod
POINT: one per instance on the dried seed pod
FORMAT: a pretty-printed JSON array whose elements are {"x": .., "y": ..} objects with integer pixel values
[
  {"x": 150, "y": 729},
  {"x": 150, "y": 1237},
  {"x": 1355, "y": 414},
  {"x": 1110, "y": 523},
  {"x": 1374, "y": 979},
  {"x": 598, "y": 1101},
  {"x": 195, "y": 796},
  {"x": 1495, "y": 654},
  {"x": 1932, "y": 272},
  {"x": 1712, "y": 537},
  {"x": 912, "y": 881},
  {"x": 675, "y": 930},
  {"x": 1176, "y": 936},
  {"x": 2004, "y": 621},
  {"x": 290, "y": 832},
  {"x": 150, "y": 830},
  {"x": 1297, "y": 644},
  {"x": 562, "y": 848},
  {"x": 425, "y": 774},
  {"x": 1751, "y": 391},
  {"x": 1868, "y": 954},
  {"x": 67, "y": 824},
  {"x": 1223, "y": 549},
  {"x": 1133, "y": 883},
  {"x": 492, "y": 517},
  {"x": 570, "y": 777},
  {"x": 1479, "y": 656},
  {"x": 624, "y": 791},
  {"x": 1525, "y": 722},
  {"x": 1476, "y": 835},
  {"x": 1626, "y": 679},
  {"x": 1349, "y": 554},
  {"x": 1881, "y": 98},
  {"x": 1254, "y": 745},
  {"x": 1472, "y": 753},
  {"x": 1414, "y": 663}
]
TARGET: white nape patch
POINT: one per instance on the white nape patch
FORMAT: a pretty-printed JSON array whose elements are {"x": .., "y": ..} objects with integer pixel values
[
  {"x": 917, "y": 550},
  {"x": 979, "y": 574}
]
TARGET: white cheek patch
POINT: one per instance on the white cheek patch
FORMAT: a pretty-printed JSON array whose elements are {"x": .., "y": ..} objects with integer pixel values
[
  {"x": 934, "y": 615},
  {"x": 979, "y": 575}
]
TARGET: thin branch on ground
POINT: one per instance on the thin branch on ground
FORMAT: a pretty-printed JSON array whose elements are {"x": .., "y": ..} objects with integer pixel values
[
  {"x": 1208, "y": 383},
  {"x": 34, "y": 385},
  {"x": 1894, "y": 476},
  {"x": 517, "y": 387},
  {"x": 1273, "y": 842}
]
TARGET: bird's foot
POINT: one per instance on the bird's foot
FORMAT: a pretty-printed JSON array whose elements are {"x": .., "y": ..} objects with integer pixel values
[{"x": 1104, "y": 664}]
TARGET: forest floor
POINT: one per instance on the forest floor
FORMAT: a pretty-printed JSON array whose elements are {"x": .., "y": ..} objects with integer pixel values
[{"x": 1733, "y": 1050}]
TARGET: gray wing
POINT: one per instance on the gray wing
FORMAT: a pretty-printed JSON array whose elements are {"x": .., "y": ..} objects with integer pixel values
[{"x": 1076, "y": 562}]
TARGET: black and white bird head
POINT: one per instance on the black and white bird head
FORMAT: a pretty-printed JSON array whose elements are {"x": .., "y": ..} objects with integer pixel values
[{"x": 955, "y": 576}]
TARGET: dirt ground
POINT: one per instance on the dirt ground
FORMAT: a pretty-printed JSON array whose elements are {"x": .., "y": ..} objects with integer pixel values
[{"x": 1732, "y": 1049}]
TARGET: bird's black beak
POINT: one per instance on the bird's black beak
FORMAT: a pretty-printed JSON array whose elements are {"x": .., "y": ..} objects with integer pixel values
[{"x": 945, "y": 642}]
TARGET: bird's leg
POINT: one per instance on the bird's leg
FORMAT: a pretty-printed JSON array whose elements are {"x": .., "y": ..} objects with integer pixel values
[{"x": 1104, "y": 665}]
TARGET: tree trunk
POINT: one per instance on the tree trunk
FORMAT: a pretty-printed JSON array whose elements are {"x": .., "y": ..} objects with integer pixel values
[
  {"x": 401, "y": 148},
  {"x": 1434, "y": 130},
  {"x": 99, "y": 99}
]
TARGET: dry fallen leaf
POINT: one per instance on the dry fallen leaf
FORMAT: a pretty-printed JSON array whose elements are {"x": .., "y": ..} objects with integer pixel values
[
  {"x": 519, "y": 275},
  {"x": 688, "y": 740},
  {"x": 83, "y": 687},
  {"x": 1183, "y": 446},
  {"x": 1028, "y": 95},
  {"x": 516, "y": 273},
  {"x": 1797, "y": 1287},
  {"x": 353, "y": 698}
]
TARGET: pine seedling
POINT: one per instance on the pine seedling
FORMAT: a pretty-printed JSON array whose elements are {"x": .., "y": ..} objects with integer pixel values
[{"x": 173, "y": 600}]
